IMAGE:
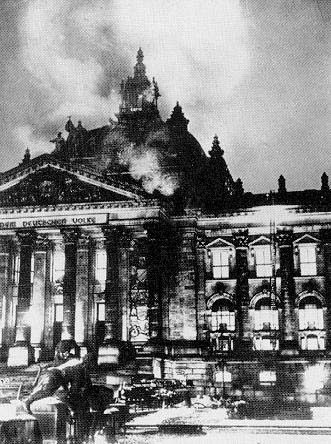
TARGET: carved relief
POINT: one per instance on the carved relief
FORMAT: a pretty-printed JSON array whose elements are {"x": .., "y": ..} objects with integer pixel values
[
  {"x": 48, "y": 187},
  {"x": 284, "y": 238},
  {"x": 138, "y": 299},
  {"x": 240, "y": 238}
]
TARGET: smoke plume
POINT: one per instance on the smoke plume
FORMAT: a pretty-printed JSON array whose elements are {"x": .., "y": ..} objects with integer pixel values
[{"x": 253, "y": 72}]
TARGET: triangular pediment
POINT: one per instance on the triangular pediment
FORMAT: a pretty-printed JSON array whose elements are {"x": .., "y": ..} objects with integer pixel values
[
  {"x": 306, "y": 239},
  {"x": 47, "y": 181},
  {"x": 219, "y": 243},
  {"x": 260, "y": 241}
]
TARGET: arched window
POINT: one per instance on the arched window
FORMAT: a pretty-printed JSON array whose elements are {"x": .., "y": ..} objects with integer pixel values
[
  {"x": 265, "y": 316},
  {"x": 311, "y": 314},
  {"x": 222, "y": 315}
]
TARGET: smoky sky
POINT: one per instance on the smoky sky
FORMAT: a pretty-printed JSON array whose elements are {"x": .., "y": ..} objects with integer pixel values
[{"x": 254, "y": 72}]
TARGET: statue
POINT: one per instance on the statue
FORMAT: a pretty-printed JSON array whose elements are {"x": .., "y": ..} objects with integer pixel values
[
  {"x": 69, "y": 380},
  {"x": 59, "y": 143}
]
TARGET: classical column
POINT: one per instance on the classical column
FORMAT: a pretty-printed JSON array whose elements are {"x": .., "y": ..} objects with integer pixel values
[
  {"x": 20, "y": 354},
  {"x": 5, "y": 251},
  {"x": 41, "y": 265},
  {"x": 82, "y": 293},
  {"x": 109, "y": 352},
  {"x": 289, "y": 342},
  {"x": 201, "y": 303},
  {"x": 326, "y": 245},
  {"x": 240, "y": 241},
  {"x": 70, "y": 238}
]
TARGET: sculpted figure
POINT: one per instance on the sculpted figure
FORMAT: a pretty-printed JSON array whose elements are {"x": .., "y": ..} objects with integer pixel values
[
  {"x": 59, "y": 143},
  {"x": 70, "y": 381}
]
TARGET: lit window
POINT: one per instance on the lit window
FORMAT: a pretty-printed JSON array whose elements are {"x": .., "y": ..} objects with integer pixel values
[
  {"x": 221, "y": 268},
  {"x": 16, "y": 269},
  {"x": 267, "y": 377},
  {"x": 307, "y": 255},
  {"x": 263, "y": 261},
  {"x": 58, "y": 313},
  {"x": 313, "y": 342},
  {"x": 311, "y": 314},
  {"x": 222, "y": 316},
  {"x": 101, "y": 314},
  {"x": 58, "y": 265},
  {"x": 32, "y": 269},
  {"x": 266, "y": 318},
  {"x": 223, "y": 376},
  {"x": 101, "y": 268}
]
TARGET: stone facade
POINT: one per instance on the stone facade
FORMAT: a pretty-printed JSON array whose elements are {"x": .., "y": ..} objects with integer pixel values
[{"x": 230, "y": 291}]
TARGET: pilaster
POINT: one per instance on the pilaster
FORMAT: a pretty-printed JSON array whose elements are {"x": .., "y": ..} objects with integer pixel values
[
  {"x": 201, "y": 301},
  {"x": 289, "y": 342},
  {"x": 5, "y": 251},
  {"x": 326, "y": 248},
  {"x": 154, "y": 280},
  {"x": 240, "y": 241}
]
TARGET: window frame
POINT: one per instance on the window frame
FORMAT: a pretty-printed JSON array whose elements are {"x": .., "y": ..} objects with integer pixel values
[
  {"x": 266, "y": 264},
  {"x": 308, "y": 265},
  {"x": 223, "y": 265}
]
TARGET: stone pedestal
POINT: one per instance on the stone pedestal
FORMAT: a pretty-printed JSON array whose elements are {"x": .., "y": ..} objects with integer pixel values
[
  {"x": 20, "y": 355},
  {"x": 52, "y": 416},
  {"x": 109, "y": 354}
]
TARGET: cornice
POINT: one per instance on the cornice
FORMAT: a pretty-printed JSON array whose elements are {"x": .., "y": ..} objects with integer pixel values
[{"x": 144, "y": 203}]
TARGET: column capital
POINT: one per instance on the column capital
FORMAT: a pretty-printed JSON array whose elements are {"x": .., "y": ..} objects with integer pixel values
[
  {"x": 42, "y": 242},
  {"x": 70, "y": 235},
  {"x": 112, "y": 234},
  {"x": 26, "y": 237},
  {"x": 201, "y": 240},
  {"x": 83, "y": 241},
  {"x": 284, "y": 238},
  {"x": 153, "y": 230},
  {"x": 240, "y": 238}
]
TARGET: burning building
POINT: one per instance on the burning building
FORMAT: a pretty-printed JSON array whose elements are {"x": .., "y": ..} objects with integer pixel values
[{"x": 130, "y": 235}]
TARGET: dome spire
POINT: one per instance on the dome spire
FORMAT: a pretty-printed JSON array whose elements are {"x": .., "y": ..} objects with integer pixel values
[
  {"x": 140, "y": 55},
  {"x": 216, "y": 149}
]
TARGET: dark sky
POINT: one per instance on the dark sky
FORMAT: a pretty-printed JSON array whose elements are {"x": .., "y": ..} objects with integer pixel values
[{"x": 255, "y": 72}]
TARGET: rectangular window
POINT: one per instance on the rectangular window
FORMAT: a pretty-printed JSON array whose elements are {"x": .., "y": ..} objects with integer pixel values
[
  {"x": 32, "y": 269},
  {"x": 58, "y": 312},
  {"x": 263, "y": 262},
  {"x": 101, "y": 315},
  {"x": 16, "y": 269},
  {"x": 307, "y": 255},
  {"x": 267, "y": 377},
  {"x": 221, "y": 267},
  {"x": 58, "y": 265},
  {"x": 101, "y": 269}
]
